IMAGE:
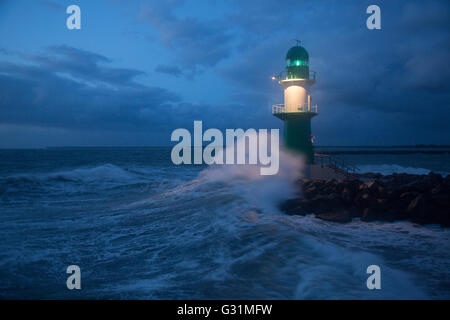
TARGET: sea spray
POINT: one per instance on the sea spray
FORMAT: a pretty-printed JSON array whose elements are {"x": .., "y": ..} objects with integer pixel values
[{"x": 259, "y": 190}]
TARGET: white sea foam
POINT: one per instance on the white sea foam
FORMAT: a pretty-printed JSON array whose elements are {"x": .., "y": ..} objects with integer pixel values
[
  {"x": 104, "y": 172},
  {"x": 307, "y": 258},
  {"x": 257, "y": 189},
  {"x": 387, "y": 169}
]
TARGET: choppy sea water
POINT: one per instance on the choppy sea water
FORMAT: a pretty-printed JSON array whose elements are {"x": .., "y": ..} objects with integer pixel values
[{"x": 140, "y": 227}]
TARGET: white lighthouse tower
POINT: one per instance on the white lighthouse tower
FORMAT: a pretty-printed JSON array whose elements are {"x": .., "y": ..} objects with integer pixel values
[{"x": 297, "y": 110}]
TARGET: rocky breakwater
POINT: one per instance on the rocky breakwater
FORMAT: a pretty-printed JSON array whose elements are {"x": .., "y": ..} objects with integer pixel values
[{"x": 423, "y": 199}]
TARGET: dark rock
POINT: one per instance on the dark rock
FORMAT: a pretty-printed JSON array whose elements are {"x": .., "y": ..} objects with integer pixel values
[
  {"x": 417, "y": 204},
  {"x": 379, "y": 210},
  {"x": 420, "y": 198},
  {"x": 330, "y": 186},
  {"x": 414, "y": 186},
  {"x": 310, "y": 192},
  {"x": 382, "y": 204},
  {"x": 438, "y": 189},
  {"x": 305, "y": 183},
  {"x": 313, "y": 205},
  {"x": 341, "y": 216},
  {"x": 436, "y": 179},
  {"x": 333, "y": 197},
  {"x": 439, "y": 209},
  {"x": 300, "y": 206},
  {"x": 291, "y": 206},
  {"x": 355, "y": 212},
  {"x": 444, "y": 218},
  {"x": 376, "y": 188},
  {"x": 369, "y": 214},
  {"x": 332, "y": 201},
  {"x": 441, "y": 200},
  {"x": 347, "y": 195},
  {"x": 397, "y": 208},
  {"x": 371, "y": 175},
  {"x": 369, "y": 185},
  {"x": 418, "y": 209},
  {"x": 446, "y": 183},
  {"x": 409, "y": 196},
  {"x": 364, "y": 200}
]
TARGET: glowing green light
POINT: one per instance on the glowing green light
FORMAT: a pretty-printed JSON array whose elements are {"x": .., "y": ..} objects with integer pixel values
[{"x": 296, "y": 63}]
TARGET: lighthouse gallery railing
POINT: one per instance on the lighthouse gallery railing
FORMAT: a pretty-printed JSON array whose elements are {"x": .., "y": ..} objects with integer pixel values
[
  {"x": 284, "y": 76},
  {"x": 281, "y": 108}
]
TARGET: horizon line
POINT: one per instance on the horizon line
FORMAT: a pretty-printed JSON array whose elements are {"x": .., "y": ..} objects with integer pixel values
[{"x": 170, "y": 146}]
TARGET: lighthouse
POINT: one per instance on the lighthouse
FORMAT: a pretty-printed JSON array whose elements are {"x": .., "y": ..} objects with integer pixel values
[{"x": 297, "y": 111}]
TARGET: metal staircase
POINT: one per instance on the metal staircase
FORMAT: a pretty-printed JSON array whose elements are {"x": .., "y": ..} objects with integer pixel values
[{"x": 339, "y": 166}]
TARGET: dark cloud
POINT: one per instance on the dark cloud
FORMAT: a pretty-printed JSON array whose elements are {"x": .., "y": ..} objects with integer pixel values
[
  {"x": 195, "y": 43},
  {"x": 32, "y": 95},
  {"x": 56, "y": 93},
  {"x": 46, "y": 92},
  {"x": 170, "y": 70},
  {"x": 85, "y": 65}
]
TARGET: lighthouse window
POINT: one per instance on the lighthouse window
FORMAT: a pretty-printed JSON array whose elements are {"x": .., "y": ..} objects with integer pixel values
[{"x": 296, "y": 63}]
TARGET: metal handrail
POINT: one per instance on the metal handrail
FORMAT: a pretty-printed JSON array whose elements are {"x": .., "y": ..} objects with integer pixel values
[
  {"x": 281, "y": 108},
  {"x": 336, "y": 164},
  {"x": 283, "y": 76}
]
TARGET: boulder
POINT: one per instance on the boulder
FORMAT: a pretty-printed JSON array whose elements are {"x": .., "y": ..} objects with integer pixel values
[
  {"x": 444, "y": 218},
  {"x": 439, "y": 208},
  {"x": 311, "y": 191},
  {"x": 446, "y": 183},
  {"x": 418, "y": 209},
  {"x": 408, "y": 196},
  {"x": 437, "y": 190},
  {"x": 435, "y": 178},
  {"x": 369, "y": 214},
  {"x": 371, "y": 175},
  {"x": 347, "y": 195},
  {"x": 291, "y": 206},
  {"x": 440, "y": 200},
  {"x": 300, "y": 206},
  {"x": 364, "y": 200}
]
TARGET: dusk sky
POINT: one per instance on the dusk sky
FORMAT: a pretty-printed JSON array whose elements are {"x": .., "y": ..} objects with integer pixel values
[{"x": 137, "y": 70}]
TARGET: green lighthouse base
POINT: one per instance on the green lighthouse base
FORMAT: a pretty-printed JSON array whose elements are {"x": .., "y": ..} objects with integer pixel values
[{"x": 297, "y": 132}]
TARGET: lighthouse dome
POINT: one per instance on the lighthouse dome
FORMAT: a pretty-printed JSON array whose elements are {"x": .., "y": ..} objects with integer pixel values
[
  {"x": 297, "y": 53},
  {"x": 297, "y": 63}
]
